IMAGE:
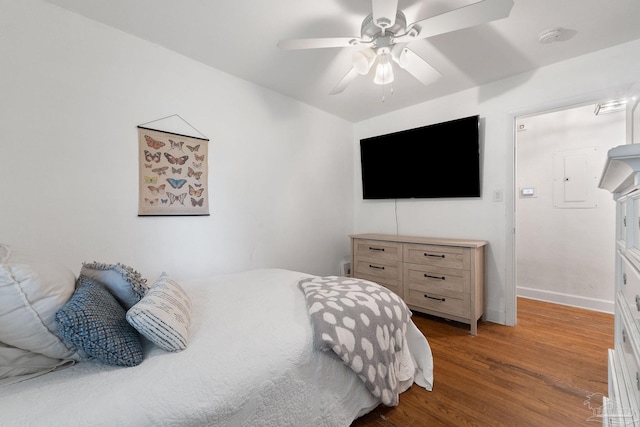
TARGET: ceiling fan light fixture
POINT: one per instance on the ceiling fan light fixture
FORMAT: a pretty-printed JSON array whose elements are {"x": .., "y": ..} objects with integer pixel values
[
  {"x": 384, "y": 33},
  {"x": 363, "y": 60},
  {"x": 384, "y": 71}
]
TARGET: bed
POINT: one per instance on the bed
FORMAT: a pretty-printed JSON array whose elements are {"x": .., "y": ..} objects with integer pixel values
[{"x": 250, "y": 360}]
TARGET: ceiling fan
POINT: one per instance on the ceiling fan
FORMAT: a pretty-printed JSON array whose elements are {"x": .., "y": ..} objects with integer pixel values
[{"x": 384, "y": 36}]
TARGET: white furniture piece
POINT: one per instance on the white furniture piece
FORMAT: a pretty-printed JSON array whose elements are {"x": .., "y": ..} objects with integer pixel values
[
  {"x": 621, "y": 177},
  {"x": 441, "y": 277}
]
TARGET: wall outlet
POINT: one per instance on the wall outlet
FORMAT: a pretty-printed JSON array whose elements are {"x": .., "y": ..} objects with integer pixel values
[
  {"x": 345, "y": 268},
  {"x": 497, "y": 195}
]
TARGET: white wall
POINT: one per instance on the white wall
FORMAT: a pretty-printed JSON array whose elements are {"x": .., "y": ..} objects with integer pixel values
[
  {"x": 73, "y": 92},
  {"x": 284, "y": 178},
  {"x": 561, "y": 246},
  {"x": 607, "y": 72}
]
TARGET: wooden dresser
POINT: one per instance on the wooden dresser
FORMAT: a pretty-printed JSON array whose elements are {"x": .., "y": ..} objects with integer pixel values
[
  {"x": 442, "y": 277},
  {"x": 622, "y": 177}
]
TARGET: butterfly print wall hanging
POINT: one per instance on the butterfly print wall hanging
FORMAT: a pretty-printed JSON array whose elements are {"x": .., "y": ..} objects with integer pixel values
[{"x": 173, "y": 173}]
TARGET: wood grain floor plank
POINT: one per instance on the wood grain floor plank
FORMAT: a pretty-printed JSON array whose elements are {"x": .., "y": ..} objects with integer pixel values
[{"x": 538, "y": 373}]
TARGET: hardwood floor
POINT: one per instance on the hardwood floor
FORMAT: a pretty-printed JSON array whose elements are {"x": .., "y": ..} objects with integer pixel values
[{"x": 541, "y": 372}]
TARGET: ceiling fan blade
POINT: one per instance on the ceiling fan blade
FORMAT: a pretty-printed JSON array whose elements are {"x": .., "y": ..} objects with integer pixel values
[
  {"x": 294, "y": 44},
  {"x": 416, "y": 66},
  {"x": 384, "y": 13},
  {"x": 457, "y": 19},
  {"x": 346, "y": 80}
]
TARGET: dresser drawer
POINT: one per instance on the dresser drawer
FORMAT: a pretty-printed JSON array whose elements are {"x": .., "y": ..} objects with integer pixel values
[
  {"x": 380, "y": 250},
  {"x": 393, "y": 285},
  {"x": 440, "y": 256},
  {"x": 629, "y": 345},
  {"x": 378, "y": 268},
  {"x": 451, "y": 303},
  {"x": 630, "y": 287},
  {"x": 437, "y": 279}
]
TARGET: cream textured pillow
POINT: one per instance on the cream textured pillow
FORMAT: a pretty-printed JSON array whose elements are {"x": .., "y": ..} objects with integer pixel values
[
  {"x": 124, "y": 283},
  {"x": 164, "y": 314}
]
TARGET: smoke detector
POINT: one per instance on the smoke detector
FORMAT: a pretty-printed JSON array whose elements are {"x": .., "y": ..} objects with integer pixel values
[{"x": 549, "y": 35}]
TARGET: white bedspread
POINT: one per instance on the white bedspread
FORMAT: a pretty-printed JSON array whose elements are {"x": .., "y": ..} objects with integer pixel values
[{"x": 250, "y": 362}]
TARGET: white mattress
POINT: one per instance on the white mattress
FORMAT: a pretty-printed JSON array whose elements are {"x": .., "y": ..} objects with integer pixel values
[{"x": 250, "y": 361}]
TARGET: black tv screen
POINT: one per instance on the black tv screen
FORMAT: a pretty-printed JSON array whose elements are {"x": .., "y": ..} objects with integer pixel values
[{"x": 435, "y": 161}]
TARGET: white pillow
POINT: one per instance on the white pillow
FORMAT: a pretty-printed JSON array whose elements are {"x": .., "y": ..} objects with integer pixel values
[
  {"x": 30, "y": 296},
  {"x": 18, "y": 365},
  {"x": 164, "y": 315}
]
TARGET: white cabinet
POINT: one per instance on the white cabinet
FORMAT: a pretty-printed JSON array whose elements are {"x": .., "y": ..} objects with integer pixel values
[{"x": 622, "y": 177}]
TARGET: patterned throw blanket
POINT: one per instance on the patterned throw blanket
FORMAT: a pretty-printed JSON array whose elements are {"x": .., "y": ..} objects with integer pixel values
[{"x": 364, "y": 324}]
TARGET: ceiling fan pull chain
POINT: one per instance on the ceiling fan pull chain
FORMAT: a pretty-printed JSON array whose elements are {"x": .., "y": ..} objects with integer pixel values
[{"x": 390, "y": 91}]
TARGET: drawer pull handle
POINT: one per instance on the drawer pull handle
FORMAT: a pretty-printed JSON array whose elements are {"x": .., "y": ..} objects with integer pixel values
[
  {"x": 624, "y": 335},
  {"x": 434, "y": 255},
  {"x": 624, "y": 278},
  {"x": 624, "y": 221},
  {"x": 376, "y": 249},
  {"x": 435, "y": 298},
  {"x": 637, "y": 380},
  {"x": 434, "y": 277},
  {"x": 638, "y": 302},
  {"x": 377, "y": 267}
]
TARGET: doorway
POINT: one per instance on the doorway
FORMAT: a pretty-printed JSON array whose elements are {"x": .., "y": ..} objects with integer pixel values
[{"x": 564, "y": 224}]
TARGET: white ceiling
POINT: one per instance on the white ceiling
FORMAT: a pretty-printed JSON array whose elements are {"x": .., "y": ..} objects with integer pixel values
[{"x": 240, "y": 36}]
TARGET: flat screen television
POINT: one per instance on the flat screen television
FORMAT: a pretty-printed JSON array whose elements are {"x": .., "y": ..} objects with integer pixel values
[{"x": 435, "y": 161}]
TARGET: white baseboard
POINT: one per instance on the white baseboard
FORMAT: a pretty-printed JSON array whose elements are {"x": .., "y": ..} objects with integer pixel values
[{"x": 566, "y": 299}]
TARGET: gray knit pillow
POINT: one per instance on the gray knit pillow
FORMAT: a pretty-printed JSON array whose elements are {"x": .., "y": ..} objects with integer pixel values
[{"x": 95, "y": 324}]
